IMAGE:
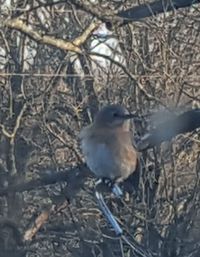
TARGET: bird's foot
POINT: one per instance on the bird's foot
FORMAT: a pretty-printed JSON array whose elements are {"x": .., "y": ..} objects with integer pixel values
[{"x": 105, "y": 184}]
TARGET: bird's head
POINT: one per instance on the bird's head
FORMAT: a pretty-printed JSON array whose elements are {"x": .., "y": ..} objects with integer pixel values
[{"x": 113, "y": 116}]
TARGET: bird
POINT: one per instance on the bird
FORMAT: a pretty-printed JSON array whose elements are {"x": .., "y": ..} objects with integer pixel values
[{"x": 107, "y": 144}]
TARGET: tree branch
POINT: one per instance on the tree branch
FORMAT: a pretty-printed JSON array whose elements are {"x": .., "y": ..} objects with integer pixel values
[
  {"x": 74, "y": 46},
  {"x": 137, "y": 13},
  {"x": 74, "y": 177}
]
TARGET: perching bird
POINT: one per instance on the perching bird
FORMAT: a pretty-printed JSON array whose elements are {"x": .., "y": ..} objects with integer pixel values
[{"x": 107, "y": 144}]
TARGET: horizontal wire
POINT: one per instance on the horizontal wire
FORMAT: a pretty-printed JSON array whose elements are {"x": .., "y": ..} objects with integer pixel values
[
  {"x": 28, "y": 9},
  {"x": 87, "y": 76},
  {"x": 45, "y": 75}
]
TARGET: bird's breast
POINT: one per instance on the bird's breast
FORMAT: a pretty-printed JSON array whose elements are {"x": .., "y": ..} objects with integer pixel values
[
  {"x": 99, "y": 158},
  {"x": 107, "y": 156}
]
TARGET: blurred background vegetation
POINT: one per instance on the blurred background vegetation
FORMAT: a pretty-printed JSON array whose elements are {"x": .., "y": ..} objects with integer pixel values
[{"x": 50, "y": 89}]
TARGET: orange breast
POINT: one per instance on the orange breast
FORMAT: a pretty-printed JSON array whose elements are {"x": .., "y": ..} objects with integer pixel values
[{"x": 109, "y": 153}]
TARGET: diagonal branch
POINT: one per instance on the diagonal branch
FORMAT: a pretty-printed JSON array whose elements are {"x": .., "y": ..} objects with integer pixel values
[
  {"x": 131, "y": 76},
  {"x": 74, "y": 46},
  {"x": 145, "y": 10}
]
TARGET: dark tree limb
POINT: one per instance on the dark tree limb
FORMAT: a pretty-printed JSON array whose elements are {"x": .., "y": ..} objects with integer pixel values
[
  {"x": 147, "y": 10},
  {"x": 74, "y": 177}
]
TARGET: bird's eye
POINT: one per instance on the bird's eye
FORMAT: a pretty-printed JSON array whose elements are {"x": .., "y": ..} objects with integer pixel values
[{"x": 115, "y": 114}]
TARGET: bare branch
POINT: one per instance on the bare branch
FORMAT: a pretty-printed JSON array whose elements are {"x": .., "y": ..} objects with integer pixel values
[
  {"x": 40, "y": 220},
  {"x": 73, "y": 46}
]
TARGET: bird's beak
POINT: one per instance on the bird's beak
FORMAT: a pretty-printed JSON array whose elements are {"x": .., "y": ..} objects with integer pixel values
[{"x": 129, "y": 116}]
